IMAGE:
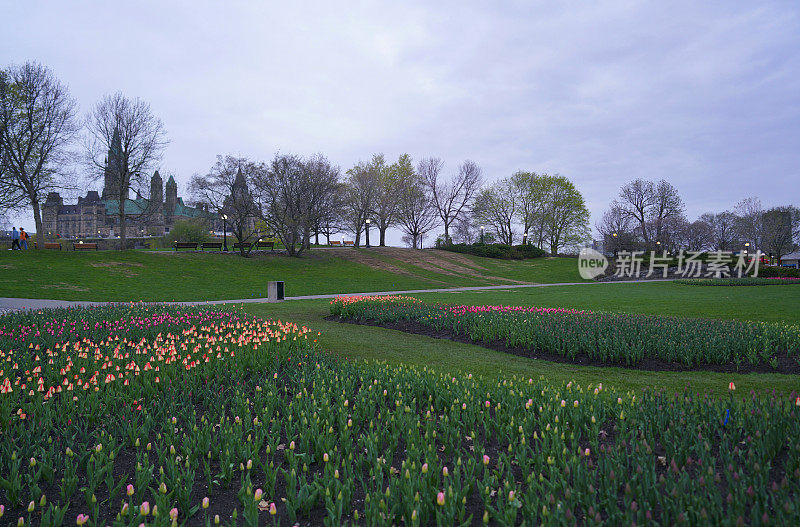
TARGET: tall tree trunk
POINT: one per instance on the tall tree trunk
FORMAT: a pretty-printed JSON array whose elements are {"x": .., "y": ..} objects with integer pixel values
[
  {"x": 382, "y": 242},
  {"x": 123, "y": 224},
  {"x": 446, "y": 232},
  {"x": 37, "y": 220}
]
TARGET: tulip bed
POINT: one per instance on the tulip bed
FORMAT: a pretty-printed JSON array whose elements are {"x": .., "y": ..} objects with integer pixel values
[
  {"x": 166, "y": 416},
  {"x": 608, "y": 338}
]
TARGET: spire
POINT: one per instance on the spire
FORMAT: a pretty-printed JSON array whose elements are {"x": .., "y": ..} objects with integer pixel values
[
  {"x": 171, "y": 182},
  {"x": 239, "y": 182}
]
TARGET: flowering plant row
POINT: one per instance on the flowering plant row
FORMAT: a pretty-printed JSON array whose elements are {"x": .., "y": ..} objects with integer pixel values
[
  {"x": 614, "y": 338},
  {"x": 272, "y": 431}
]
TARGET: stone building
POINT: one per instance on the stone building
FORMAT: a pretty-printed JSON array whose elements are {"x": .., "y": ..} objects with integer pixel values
[{"x": 96, "y": 215}]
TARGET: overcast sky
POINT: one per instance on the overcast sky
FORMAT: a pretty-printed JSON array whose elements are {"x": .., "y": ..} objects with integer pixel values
[{"x": 703, "y": 94}]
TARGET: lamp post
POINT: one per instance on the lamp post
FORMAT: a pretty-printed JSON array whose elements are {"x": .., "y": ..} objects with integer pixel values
[
  {"x": 224, "y": 232},
  {"x": 525, "y": 238},
  {"x": 746, "y": 249},
  {"x": 614, "y": 242},
  {"x": 368, "y": 222},
  {"x": 482, "y": 229}
]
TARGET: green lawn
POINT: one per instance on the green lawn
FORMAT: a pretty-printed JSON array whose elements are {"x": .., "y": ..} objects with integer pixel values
[
  {"x": 166, "y": 276},
  {"x": 372, "y": 343}
]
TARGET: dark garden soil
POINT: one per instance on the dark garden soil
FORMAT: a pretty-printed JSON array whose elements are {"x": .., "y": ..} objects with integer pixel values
[{"x": 786, "y": 365}]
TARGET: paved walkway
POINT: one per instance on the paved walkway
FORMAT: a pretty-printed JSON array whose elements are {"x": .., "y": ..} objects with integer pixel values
[{"x": 15, "y": 304}]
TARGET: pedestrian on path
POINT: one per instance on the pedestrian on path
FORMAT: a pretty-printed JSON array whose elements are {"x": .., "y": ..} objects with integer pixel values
[
  {"x": 23, "y": 238},
  {"x": 14, "y": 239}
]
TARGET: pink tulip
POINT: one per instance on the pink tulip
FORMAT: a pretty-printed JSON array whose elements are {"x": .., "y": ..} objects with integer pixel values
[{"x": 440, "y": 498}]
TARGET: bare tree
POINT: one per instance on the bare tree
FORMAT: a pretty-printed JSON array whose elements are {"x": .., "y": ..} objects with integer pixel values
[
  {"x": 667, "y": 206},
  {"x": 650, "y": 204},
  {"x": 226, "y": 188},
  {"x": 699, "y": 235},
  {"x": 636, "y": 199},
  {"x": 723, "y": 232},
  {"x": 451, "y": 198},
  {"x": 781, "y": 230},
  {"x": 464, "y": 229},
  {"x": 37, "y": 123},
  {"x": 125, "y": 140},
  {"x": 496, "y": 206},
  {"x": 749, "y": 221},
  {"x": 416, "y": 214},
  {"x": 320, "y": 186},
  {"x": 293, "y": 195},
  {"x": 360, "y": 189},
  {"x": 332, "y": 213},
  {"x": 617, "y": 230}
]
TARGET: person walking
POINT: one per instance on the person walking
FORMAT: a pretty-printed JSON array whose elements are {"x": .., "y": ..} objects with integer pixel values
[
  {"x": 23, "y": 238},
  {"x": 14, "y": 239}
]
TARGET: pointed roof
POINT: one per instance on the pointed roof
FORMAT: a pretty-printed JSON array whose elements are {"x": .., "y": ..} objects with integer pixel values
[
  {"x": 156, "y": 175},
  {"x": 171, "y": 182},
  {"x": 239, "y": 181}
]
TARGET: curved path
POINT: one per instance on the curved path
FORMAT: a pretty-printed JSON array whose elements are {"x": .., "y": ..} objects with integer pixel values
[{"x": 15, "y": 304}]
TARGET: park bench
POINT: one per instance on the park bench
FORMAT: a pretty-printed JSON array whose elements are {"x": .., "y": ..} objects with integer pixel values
[
  {"x": 237, "y": 246},
  {"x": 185, "y": 245},
  {"x": 335, "y": 243},
  {"x": 212, "y": 245},
  {"x": 80, "y": 246},
  {"x": 49, "y": 245},
  {"x": 266, "y": 244},
  {"x": 348, "y": 243}
]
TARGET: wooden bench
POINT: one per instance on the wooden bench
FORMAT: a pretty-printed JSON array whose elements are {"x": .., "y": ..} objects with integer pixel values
[
  {"x": 349, "y": 243},
  {"x": 185, "y": 245},
  {"x": 335, "y": 243},
  {"x": 211, "y": 245},
  {"x": 80, "y": 246},
  {"x": 49, "y": 245},
  {"x": 237, "y": 246},
  {"x": 266, "y": 244}
]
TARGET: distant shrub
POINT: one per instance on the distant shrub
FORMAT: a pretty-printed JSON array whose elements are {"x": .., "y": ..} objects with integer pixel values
[
  {"x": 496, "y": 250},
  {"x": 778, "y": 272},
  {"x": 188, "y": 231}
]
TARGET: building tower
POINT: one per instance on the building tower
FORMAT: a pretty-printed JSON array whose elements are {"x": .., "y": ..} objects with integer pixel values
[
  {"x": 156, "y": 190},
  {"x": 171, "y": 200},
  {"x": 114, "y": 162}
]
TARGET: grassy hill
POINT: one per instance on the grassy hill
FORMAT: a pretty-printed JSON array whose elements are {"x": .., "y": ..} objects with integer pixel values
[{"x": 167, "y": 275}]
